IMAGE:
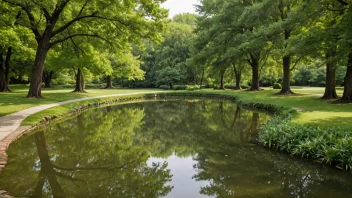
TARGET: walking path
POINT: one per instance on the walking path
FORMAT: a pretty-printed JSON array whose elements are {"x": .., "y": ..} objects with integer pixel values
[{"x": 10, "y": 128}]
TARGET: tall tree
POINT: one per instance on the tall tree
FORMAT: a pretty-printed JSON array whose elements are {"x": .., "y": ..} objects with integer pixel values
[
  {"x": 54, "y": 22},
  {"x": 124, "y": 65}
]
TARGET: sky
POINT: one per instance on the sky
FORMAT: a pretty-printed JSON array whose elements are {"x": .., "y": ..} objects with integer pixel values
[{"x": 179, "y": 6}]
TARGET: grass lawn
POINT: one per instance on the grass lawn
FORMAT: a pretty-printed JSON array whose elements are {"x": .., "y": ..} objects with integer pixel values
[
  {"x": 311, "y": 109},
  {"x": 16, "y": 100}
]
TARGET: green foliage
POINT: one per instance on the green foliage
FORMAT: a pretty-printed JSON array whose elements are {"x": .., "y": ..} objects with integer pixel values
[
  {"x": 164, "y": 87},
  {"x": 277, "y": 86},
  {"x": 328, "y": 145},
  {"x": 169, "y": 76},
  {"x": 166, "y": 62},
  {"x": 180, "y": 87},
  {"x": 185, "y": 18},
  {"x": 192, "y": 87}
]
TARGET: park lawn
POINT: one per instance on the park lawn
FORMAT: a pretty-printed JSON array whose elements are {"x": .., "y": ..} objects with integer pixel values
[
  {"x": 311, "y": 109},
  {"x": 16, "y": 100}
]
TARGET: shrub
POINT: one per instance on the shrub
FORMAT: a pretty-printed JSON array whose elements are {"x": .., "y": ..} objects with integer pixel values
[
  {"x": 192, "y": 87},
  {"x": 277, "y": 86},
  {"x": 180, "y": 87},
  {"x": 165, "y": 87},
  {"x": 230, "y": 86}
]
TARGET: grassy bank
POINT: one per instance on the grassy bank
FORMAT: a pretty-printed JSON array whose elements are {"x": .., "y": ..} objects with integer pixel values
[
  {"x": 318, "y": 130},
  {"x": 16, "y": 101},
  {"x": 311, "y": 109}
]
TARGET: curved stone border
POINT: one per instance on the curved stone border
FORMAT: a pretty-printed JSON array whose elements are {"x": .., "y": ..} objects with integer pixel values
[
  {"x": 14, "y": 130},
  {"x": 10, "y": 129}
]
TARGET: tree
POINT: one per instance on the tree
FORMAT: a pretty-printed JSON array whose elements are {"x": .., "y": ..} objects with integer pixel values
[
  {"x": 169, "y": 57},
  {"x": 54, "y": 22},
  {"x": 230, "y": 28},
  {"x": 169, "y": 76},
  {"x": 124, "y": 65},
  {"x": 345, "y": 42},
  {"x": 81, "y": 59},
  {"x": 185, "y": 18}
]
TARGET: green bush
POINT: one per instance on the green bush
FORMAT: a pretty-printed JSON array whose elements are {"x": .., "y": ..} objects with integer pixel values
[
  {"x": 230, "y": 86},
  {"x": 180, "y": 87},
  {"x": 277, "y": 86},
  {"x": 192, "y": 87},
  {"x": 165, "y": 87}
]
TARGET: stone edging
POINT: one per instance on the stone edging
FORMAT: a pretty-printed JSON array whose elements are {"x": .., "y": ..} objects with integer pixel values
[{"x": 23, "y": 130}]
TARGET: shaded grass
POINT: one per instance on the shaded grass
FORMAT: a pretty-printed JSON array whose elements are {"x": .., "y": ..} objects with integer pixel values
[{"x": 16, "y": 100}]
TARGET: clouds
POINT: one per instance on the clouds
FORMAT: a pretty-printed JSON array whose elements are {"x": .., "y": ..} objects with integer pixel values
[{"x": 179, "y": 6}]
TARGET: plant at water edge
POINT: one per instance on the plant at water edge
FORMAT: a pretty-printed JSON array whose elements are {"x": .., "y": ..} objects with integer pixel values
[{"x": 327, "y": 145}]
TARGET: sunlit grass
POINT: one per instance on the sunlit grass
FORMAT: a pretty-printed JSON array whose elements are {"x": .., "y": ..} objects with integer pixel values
[
  {"x": 311, "y": 109},
  {"x": 16, "y": 100}
]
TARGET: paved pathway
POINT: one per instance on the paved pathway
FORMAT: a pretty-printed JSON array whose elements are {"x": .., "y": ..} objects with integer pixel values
[{"x": 11, "y": 123}]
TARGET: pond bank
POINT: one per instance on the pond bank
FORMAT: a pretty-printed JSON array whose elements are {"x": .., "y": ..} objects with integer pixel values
[{"x": 321, "y": 144}]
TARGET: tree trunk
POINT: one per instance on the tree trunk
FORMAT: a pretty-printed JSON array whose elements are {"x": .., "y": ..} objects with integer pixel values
[
  {"x": 79, "y": 82},
  {"x": 2, "y": 74},
  {"x": 255, "y": 74},
  {"x": 347, "y": 93},
  {"x": 7, "y": 67},
  {"x": 108, "y": 82},
  {"x": 222, "y": 75},
  {"x": 286, "y": 63},
  {"x": 238, "y": 76},
  {"x": 238, "y": 81},
  {"x": 330, "y": 87},
  {"x": 47, "y": 77},
  {"x": 35, "y": 89},
  {"x": 202, "y": 79},
  {"x": 171, "y": 85},
  {"x": 5, "y": 71}
]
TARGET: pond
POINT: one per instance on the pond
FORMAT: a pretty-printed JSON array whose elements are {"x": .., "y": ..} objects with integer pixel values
[{"x": 169, "y": 148}]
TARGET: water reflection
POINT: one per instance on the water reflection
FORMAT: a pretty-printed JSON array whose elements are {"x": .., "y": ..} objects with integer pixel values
[{"x": 183, "y": 148}]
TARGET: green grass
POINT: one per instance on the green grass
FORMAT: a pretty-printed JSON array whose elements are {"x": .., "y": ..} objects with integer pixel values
[
  {"x": 320, "y": 130},
  {"x": 62, "y": 110},
  {"x": 16, "y": 100},
  {"x": 311, "y": 109}
]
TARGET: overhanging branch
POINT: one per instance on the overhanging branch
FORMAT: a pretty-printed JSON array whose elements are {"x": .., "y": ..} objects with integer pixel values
[
  {"x": 67, "y": 25},
  {"x": 77, "y": 35},
  {"x": 30, "y": 16}
]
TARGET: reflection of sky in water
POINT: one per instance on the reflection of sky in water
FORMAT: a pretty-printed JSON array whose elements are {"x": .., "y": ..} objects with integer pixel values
[{"x": 182, "y": 181}]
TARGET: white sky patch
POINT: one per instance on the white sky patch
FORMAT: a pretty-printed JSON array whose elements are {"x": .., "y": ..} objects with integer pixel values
[{"x": 180, "y": 6}]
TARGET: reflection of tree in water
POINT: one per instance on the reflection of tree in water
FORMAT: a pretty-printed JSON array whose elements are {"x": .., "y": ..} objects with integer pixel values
[
  {"x": 91, "y": 155},
  {"x": 103, "y": 153},
  {"x": 221, "y": 135}
]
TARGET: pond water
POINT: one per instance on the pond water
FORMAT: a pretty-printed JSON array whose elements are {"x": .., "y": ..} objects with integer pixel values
[{"x": 172, "y": 148}]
